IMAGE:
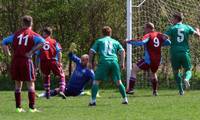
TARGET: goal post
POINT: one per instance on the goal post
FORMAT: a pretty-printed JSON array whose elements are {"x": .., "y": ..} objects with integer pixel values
[{"x": 129, "y": 36}]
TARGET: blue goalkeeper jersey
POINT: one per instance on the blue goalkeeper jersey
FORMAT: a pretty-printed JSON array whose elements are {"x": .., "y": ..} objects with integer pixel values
[{"x": 80, "y": 77}]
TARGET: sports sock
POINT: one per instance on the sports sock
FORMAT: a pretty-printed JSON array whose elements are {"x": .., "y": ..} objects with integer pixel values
[
  {"x": 179, "y": 82},
  {"x": 154, "y": 84},
  {"x": 18, "y": 98},
  {"x": 62, "y": 84},
  {"x": 47, "y": 84},
  {"x": 95, "y": 89},
  {"x": 122, "y": 90},
  {"x": 188, "y": 75},
  {"x": 31, "y": 97},
  {"x": 132, "y": 82}
]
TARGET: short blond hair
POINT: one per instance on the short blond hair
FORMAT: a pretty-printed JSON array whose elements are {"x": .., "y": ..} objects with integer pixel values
[{"x": 150, "y": 25}]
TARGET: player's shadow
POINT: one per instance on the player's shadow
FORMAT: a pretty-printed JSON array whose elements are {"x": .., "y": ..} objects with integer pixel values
[{"x": 149, "y": 95}]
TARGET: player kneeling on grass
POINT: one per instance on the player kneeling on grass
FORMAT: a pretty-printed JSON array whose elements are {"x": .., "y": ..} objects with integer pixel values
[
  {"x": 80, "y": 77},
  {"x": 24, "y": 43},
  {"x": 152, "y": 42},
  {"x": 107, "y": 48},
  {"x": 50, "y": 60},
  {"x": 179, "y": 34}
]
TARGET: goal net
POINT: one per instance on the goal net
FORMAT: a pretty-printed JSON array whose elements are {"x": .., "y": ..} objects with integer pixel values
[{"x": 159, "y": 12}]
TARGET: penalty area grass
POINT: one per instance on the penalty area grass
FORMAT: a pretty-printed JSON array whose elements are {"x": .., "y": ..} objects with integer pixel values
[{"x": 142, "y": 106}]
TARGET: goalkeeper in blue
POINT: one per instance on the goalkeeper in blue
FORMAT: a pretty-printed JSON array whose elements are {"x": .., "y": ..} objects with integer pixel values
[{"x": 80, "y": 77}]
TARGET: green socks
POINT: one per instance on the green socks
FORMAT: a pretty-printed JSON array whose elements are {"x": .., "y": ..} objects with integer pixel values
[
  {"x": 95, "y": 89},
  {"x": 179, "y": 82},
  {"x": 188, "y": 75},
  {"x": 122, "y": 90}
]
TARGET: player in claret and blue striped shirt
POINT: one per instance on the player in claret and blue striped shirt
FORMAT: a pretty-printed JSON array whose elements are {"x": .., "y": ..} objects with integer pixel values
[
  {"x": 24, "y": 43},
  {"x": 152, "y": 43}
]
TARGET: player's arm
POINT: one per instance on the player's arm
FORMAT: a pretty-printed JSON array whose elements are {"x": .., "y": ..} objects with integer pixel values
[
  {"x": 121, "y": 52},
  {"x": 5, "y": 43},
  {"x": 91, "y": 57},
  {"x": 92, "y": 52},
  {"x": 168, "y": 33},
  {"x": 39, "y": 43},
  {"x": 138, "y": 42},
  {"x": 59, "y": 52},
  {"x": 60, "y": 57},
  {"x": 122, "y": 58},
  {"x": 74, "y": 58},
  {"x": 37, "y": 59},
  {"x": 197, "y": 32},
  {"x": 166, "y": 42}
]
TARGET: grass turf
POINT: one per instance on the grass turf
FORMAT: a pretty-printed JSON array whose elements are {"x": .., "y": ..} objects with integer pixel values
[{"x": 142, "y": 106}]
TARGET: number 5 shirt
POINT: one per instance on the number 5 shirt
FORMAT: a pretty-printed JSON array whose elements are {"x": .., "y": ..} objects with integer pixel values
[{"x": 179, "y": 36}]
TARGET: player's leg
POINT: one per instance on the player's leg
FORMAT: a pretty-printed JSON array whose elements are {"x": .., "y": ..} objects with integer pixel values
[
  {"x": 179, "y": 83},
  {"x": 154, "y": 78},
  {"x": 94, "y": 91},
  {"x": 100, "y": 74},
  {"x": 16, "y": 75},
  {"x": 187, "y": 69},
  {"x": 176, "y": 65},
  {"x": 132, "y": 80},
  {"x": 154, "y": 82},
  {"x": 122, "y": 91},
  {"x": 31, "y": 96},
  {"x": 141, "y": 65},
  {"x": 47, "y": 82},
  {"x": 18, "y": 87},
  {"x": 58, "y": 71},
  {"x": 116, "y": 76},
  {"x": 45, "y": 69}
]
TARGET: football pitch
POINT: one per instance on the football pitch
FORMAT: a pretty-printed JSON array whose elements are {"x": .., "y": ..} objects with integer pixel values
[{"x": 142, "y": 106}]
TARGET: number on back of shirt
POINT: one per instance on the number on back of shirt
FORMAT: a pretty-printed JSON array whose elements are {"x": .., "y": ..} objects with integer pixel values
[
  {"x": 156, "y": 42},
  {"x": 46, "y": 46},
  {"x": 108, "y": 47},
  {"x": 180, "y": 37},
  {"x": 22, "y": 38}
]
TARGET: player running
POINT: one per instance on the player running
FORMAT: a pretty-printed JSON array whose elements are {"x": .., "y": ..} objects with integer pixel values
[
  {"x": 24, "y": 43},
  {"x": 180, "y": 52},
  {"x": 50, "y": 60},
  {"x": 80, "y": 77},
  {"x": 152, "y": 42},
  {"x": 107, "y": 48}
]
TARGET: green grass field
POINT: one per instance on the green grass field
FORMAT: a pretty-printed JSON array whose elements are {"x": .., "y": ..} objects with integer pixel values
[{"x": 142, "y": 106}]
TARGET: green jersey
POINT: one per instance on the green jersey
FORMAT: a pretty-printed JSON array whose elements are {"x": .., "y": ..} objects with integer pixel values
[
  {"x": 107, "y": 48},
  {"x": 179, "y": 35}
]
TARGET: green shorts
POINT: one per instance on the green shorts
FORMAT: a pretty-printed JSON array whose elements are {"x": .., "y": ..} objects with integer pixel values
[
  {"x": 108, "y": 69},
  {"x": 181, "y": 59}
]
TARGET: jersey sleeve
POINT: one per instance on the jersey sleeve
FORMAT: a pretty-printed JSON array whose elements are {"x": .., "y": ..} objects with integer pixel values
[
  {"x": 166, "y": 42},
  {"x": 120, "y": 48},
  {"x": 169, "y": 31},
  {"x": 74, "y": 58},
  {"x": 8, "y": 40},
  {"x": 37, "y": 52},
  {"x": 58, "y": 47},
  {"x": 95, "y": 46},
  {"x": 139, "y": 43},
  {"x": 38, "y": 39},
  {"x": 91, "y": 75},
  {"x": 191, "y": 30}
]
